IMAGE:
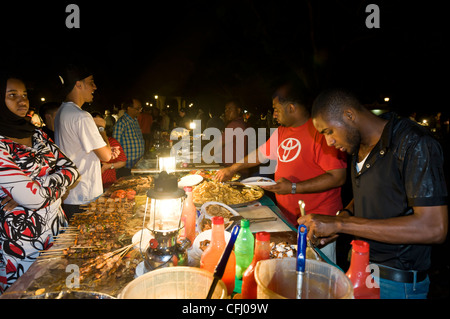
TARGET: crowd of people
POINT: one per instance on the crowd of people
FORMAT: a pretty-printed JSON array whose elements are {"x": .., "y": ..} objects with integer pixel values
[{"x": 396, "y": 170}]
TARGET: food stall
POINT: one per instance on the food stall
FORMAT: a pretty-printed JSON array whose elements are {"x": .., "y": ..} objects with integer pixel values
[
  {"x": 96, "y": 252},
  {"x": 104, "y": 248}
]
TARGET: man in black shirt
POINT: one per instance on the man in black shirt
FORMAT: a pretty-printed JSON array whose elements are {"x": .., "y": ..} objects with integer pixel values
[{"x": 399, "y": 201}]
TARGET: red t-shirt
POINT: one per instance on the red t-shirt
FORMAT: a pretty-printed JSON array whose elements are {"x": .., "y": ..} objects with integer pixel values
[
  {"x": 145, "y": 121},
  {"x": 302, "y": 153},
  {"x": 109, "y": 176}
]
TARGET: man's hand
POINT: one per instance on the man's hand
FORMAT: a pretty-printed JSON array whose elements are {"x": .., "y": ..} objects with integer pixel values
[
  {"x": 99, "y": 122},
  {"x": 115, "y": 152},
  {"x": 225, "y": 174},
  {"x": 282, "y": 187},
  {"x": 322, "y": 229},
  {"x": 8, "y": 204}
]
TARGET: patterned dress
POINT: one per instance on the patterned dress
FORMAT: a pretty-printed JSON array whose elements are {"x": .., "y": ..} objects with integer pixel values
[{"x": 36, "y": 178}]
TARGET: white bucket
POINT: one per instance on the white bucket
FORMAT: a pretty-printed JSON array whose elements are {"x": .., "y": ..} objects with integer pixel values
[{"x": 277, "y": 279}]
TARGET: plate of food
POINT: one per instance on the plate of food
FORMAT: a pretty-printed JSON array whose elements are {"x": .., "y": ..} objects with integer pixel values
[
  {"x": 210, "y": 209},
  {"x": 201, "y": 242},
  {"x": 233, "y": 195},
  {"x": 190, "y": 180},
  {"x": 258, "y": 181}
]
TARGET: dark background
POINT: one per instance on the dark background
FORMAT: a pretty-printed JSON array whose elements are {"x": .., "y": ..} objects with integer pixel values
[{"x": 208, "y": 51}]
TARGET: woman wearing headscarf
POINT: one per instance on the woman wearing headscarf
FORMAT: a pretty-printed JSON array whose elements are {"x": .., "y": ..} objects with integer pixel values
[{"x": 34, "y": 175}]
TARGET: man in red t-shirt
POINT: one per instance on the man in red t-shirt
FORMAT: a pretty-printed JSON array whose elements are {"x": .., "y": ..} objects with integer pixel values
[
  {"x": 145, "y": 120},
  {"x": 307, "y": 168}
]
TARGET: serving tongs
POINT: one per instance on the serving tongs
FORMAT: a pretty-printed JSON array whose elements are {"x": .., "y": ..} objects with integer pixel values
[
  {"x": 220, "y": 268},
  {"x": 237, "y": 220}
]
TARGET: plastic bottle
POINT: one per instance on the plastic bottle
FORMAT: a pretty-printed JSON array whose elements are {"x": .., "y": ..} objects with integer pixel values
[
  {"x": 212, "y": 254},
  {"x": 262, "y": 251},
  {"x": 358, "y": 273},
  {"x": 243, "y": 248},
  {"x": 188, "y": 216}
]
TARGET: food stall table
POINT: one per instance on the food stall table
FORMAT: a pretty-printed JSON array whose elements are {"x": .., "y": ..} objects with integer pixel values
[{"x": 64, "y": 272}]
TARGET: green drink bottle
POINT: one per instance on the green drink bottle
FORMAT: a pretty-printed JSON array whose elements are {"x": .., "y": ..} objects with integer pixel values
[{"x": 244, "y": 248}]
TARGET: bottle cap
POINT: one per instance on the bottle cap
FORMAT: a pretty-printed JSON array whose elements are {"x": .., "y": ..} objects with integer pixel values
[
  {"x": 245, "y": 223},
  {"x": 263, "y": 236},
  {"x": 360, "y": 246},
  {"x": 217, "y": 220}
]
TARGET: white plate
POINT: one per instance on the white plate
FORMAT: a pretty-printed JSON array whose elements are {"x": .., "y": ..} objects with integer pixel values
[
  {"x": 140, "y": 270},
  {"x": 204, "y": 214},
  {"x": 190, "y": 180},
  {"x": 258, "y": 181},
  {"x": 196, "y": 252},
  {"x": 136, "y": 240}
]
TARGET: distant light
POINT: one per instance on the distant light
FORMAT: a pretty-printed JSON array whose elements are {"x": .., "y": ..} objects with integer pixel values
[
  {"x": 245, "y": 111},
  {"x": 424, "y": 121},
  {"x": 146, "y": 103},
  {"x": 377, "y": 111},
  {"x": 192, "y": 125},
  {"x": 43, "y": 99},
  {"x": 156, "y": 97},
  {"x": 191, "y": 105},
  {"x": 151, "y": 104},
  {"x": 386, "y": 99},
  {"x": 168, "y": 106}
]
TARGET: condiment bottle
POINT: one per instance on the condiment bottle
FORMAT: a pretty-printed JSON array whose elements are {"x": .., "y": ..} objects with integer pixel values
[
  {"x": 262, "y": 251},
  {"x": 212, "y": 254},
  {"x": 188, "y": 216},
  {"x": 358, "y": 273},
  {"x": 243, "y": 248}
]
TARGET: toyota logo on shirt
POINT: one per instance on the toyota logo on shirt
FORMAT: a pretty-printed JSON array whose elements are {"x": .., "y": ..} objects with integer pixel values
[{"x": 289, "y": 150}]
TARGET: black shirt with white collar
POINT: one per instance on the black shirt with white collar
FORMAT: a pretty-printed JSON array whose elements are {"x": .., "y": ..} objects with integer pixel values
[{"x": 403, "y": 170}]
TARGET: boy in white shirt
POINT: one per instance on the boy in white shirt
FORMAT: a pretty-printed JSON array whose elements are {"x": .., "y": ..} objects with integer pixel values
[{"x": 81, "y": 138}]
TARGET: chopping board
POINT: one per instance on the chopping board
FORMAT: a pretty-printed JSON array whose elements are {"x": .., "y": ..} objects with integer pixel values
[{"x": 261, "y": 212}]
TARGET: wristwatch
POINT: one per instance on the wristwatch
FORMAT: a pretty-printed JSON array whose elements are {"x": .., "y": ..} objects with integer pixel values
[
  {"x": 101, "y": 129},
  {"x": 112, "y": 166},
  {"x": 294, "y": 188}
]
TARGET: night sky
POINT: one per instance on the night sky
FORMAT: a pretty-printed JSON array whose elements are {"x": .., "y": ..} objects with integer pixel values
[{"x": 208, "y": 51}]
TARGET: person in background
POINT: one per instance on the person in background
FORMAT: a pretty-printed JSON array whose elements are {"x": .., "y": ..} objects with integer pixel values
[
  {"x": 165, "y": 121},
  {"x": 34, "y": 175},
  {"x": 109, "y": 168},
  {"x": 47, "y": 112},
  {"x": 145, "y": 120},
  {"x": 82, "y": 138},
  {"x": 121, "y": 112},
  {"x": 413, "y": 116},
  {"x": 128, "y": 133},
  {"x": 307, "y": 168},
  {"x": 203, "y": 118},
  {"x": 33, "y": 117},
  {"x": 230, "y": 142},
  {"x": 399, "y": 201},
  {"x": 181, "y": 120},
  {"x": 109, "y": 119},
  {"x": 215, "y": 120}
]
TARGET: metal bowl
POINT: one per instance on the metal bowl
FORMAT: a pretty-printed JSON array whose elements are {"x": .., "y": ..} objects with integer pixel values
[{"x": 72, "y": 294}]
